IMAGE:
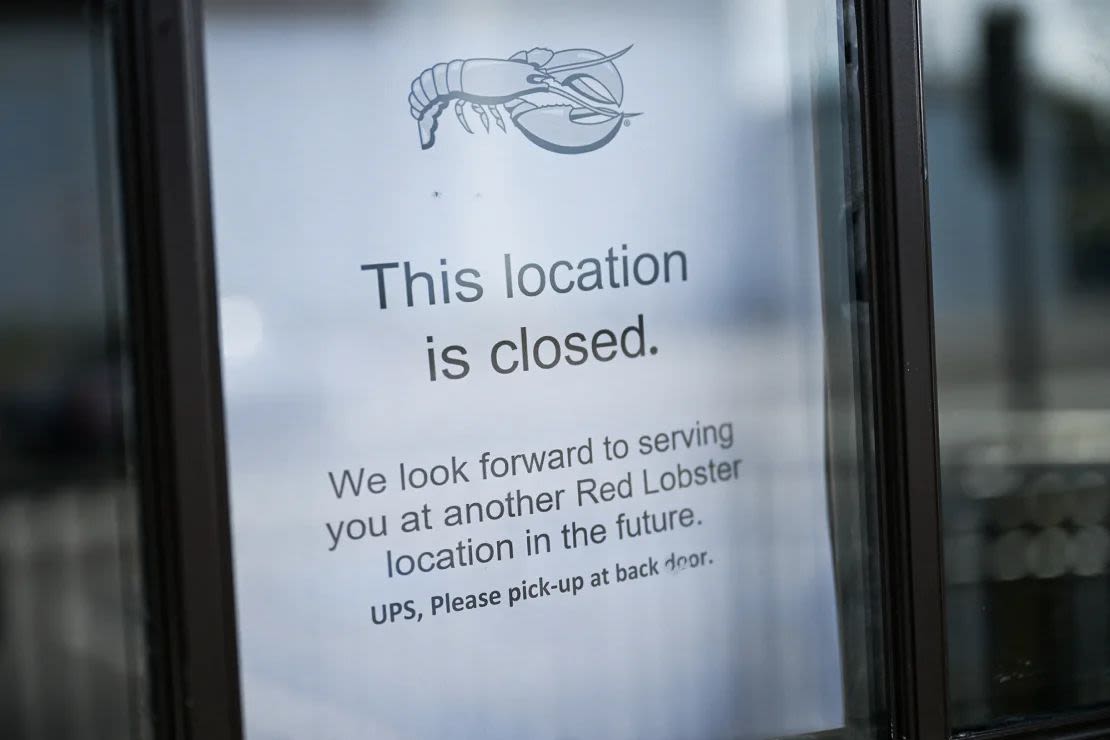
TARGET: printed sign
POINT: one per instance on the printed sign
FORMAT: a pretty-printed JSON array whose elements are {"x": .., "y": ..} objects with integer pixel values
[{"x": 523, "y": 445}]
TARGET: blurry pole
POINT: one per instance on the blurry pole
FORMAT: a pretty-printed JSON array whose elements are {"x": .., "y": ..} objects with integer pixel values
[{"x": 1004, "y": 98}]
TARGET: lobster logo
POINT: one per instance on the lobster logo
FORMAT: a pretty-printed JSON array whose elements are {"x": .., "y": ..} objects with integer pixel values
[{"x": 532, "y": 86}]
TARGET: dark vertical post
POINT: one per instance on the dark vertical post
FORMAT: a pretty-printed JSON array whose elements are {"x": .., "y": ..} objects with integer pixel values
[
  {"x": 1004, "y": 117},
  {"x": 171, "y": 285},
  {"x": 901, "y": 278}
]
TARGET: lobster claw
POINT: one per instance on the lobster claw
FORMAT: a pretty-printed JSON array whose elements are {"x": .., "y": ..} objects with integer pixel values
[
  {"x": 589, "y": 74},
  {"x": 567, "y": 129}
]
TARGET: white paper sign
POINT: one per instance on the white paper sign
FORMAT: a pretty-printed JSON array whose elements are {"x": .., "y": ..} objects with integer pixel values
[{"x": 523, "y": 362}]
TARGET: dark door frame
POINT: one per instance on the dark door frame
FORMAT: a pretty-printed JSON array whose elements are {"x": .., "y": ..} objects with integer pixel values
[
  {"x": 905, "y": 375},
  {"x": 172, "y": 294}
]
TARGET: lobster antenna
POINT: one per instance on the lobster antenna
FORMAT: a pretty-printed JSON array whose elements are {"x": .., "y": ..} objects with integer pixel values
[{"x": 588, "y": 62}]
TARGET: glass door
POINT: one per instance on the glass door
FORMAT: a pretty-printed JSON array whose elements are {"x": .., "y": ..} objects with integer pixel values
[
  {"x": 1018, "y": 105},
  {"x": 74, "y": 646}
]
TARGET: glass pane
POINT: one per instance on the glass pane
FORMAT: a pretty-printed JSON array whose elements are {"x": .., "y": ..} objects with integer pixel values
[
  {"x": 1018, "y": 114},
  {"x": 542, "y": 356},
  {"x": 72, "y": 654}
]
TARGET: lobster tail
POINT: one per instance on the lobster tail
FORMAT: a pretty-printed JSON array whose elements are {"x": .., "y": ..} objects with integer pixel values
[
  {"x": 428, "y": 96},
  {"x": 428, "y": 123}
]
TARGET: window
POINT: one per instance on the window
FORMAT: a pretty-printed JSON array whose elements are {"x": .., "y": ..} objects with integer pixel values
[{"x": 1016, "y": 100}]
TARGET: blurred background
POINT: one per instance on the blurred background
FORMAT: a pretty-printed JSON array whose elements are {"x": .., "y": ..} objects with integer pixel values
[
  {"x": 1017, "y": 104},
  {"x": 72, "y": 654}
]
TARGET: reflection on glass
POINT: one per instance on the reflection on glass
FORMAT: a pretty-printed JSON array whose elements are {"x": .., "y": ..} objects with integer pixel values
[
  {"x": 740, "y": 160},
  {"x": 1018, "y": 120},
  {"x": 71, "y": 648}
]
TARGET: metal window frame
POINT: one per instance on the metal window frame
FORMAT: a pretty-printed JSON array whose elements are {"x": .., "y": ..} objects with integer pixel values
[
  {"x": 172, "y": 293},
  {"x": 895, "y": 173},
  {"x": 194, "y": 672}
]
